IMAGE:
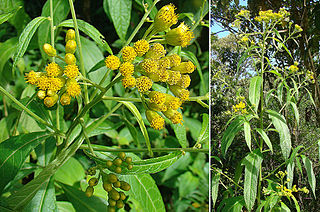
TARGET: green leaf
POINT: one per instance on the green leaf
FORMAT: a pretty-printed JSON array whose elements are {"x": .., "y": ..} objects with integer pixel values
[
  {"x": 149, "y": 2},
  {"x": 215, "y": 188},
  {"x": 245, "y": 56},
  {"x": 26, "y": 36},
  {"x": 290, "y": 172},
  {"x": 145, "y": 191},
  {"x": 295, "y": 111},
  {"x": 13, "y": 153},
  {"x": 6, "y": 16},
  {"x": 97, "y": 66},
  {"x": 254, "y": 91},
  {"x": 230, "y": 133},
  {"x": 70, "y": 173},
  {"x": 181, "y": 134},
  {"x": 285, "y": 139},
  {"x": 4, "y": 134},
  {"x": 187, "y": 183},
  {"x": 147, "y": 166},
  {"x": 83, "y": 203},
  {"x": 247, "y": 133},
  {"x": 120, "y": 12},
  {"x": 7, "y": 50},
  {"x": 252, "y": 164},
  {"x": 44, "y": 200},
  {"x": 204, "y": 133},
  {"x": 64, "y": 206},
  {"x": 89, "y": 30},
  {"x": 27, "y": 192},
  {"x": 284, "y": 208},
  {"x": 231, "y": 204},
  {"x": 180, "y": 166},
  {"x": 60, "y": 10},
  {"x": 138, "y": 116},
  {"x": 311, "y": 177},
  {"x": 265, "y": 137}
]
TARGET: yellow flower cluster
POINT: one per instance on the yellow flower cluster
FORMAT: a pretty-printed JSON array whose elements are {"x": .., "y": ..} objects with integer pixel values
[
  {"x": 294, "y": 68},
  {"x": 268, "y": 15},
  {"x": 155, "y": 67},
  {"x": 241, "y": 107},
  {"x": 55, "y": 80}
]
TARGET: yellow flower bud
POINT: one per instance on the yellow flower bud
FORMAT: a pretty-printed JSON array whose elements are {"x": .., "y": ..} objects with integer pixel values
[
  {"x": 70, "y": 59},
  {"x": 174, "y": 116},
  {"x": 41, "y": 94},
  {"x": 184, "y": 68},
  {"x": 71, "y": 35},
  {"x": 156, "y": 121},
  {"x": 182, "y": 93},
  {"x": 156, "y": 51},
  {"x": 71, "y": 46},
  {"x": 180, "y": 36},
  {"x": 141, "y": 47},
  {"x": 157, "y": 97},
  {"x": 165, "y": 18},
  {"x": 51, "y": 100},
  {"x": 65, "y": 99},
  {"x": 49, "y": 50},
  {"x": 51, "y": 93}
]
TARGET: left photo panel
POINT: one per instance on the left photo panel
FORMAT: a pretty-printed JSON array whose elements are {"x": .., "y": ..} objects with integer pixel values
[{"x": 104, "y": 105}]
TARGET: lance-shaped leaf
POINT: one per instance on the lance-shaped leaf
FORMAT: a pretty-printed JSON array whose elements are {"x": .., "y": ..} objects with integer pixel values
[
  {"x": 311, "y": 177},
  {"x": 254, "y": 91},
  {"x": 26, "y": 36},
  {"x": 13, "y": 153},
  {"x": 265, "y": 137},
  {"x": 252, "y": 164},
  {"x": 230, "y": 133},
  {"x": 281, "y": 126},
  {"x": 247, "y": 133},
  {"x": 147, "y": 166},
  {"x": 215, "y": 187}
]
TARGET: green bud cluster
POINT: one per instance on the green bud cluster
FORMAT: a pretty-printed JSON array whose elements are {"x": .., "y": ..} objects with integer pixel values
[
  {"x": 119, "y": 163},
  {"x": 92, "y": 182},
  {"x": 115, "y": 197}
]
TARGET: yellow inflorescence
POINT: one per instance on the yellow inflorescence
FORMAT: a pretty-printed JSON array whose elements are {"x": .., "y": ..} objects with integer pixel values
[
  {"x": 180, "y": 36},
  {"x": 65, "y": 99},
  {"x": 32, "y": 77},
  {"x": 54, "y": 84},
  {"x": 73, "y": 88},
  {"x": 175, "y": 60},
  {"x": 141, "y": 47},
  {"x": 129, "y": 82},
  {"x": 174, "y": 116},
  {"x": 165, "y": 18},
  {"x": 112, "y": 62},
  {"x": 128, "y": 54},
  {"x": 157, "y": 97},
  {"x": 185, "y": 67},
  {"x": 51, "y": 100},
  {"x": 143, "y": 83},
  {"x": 156, "y": 121},
  {"x": 156, "y": 51},
  {"x": 184, "y": 81},
  {"x": 174, "y": 77},
  {"x": 182, "y": 93},
  {"x": 172, "y": 102},
  {"x": 53, "y": 70},
  {"x": 126, "y": 69},
  {"x": 241, "y": 107},
  {"x": 71, "y": 71},
  {"x": 149, "y": 65}
]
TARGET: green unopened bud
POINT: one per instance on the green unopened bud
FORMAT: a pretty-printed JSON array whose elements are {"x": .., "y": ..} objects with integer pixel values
[
  {"x": 117, "y": 184},
  {"x": 125, "y": 186},
  {"x": 71, "y": 35},
  {"x": 112, "y": 178},
  {"x": 130, "y": 167},
  {"x": 71, "y": 46},
  {"x": 117, "y": 162},
  {"x": 49, "y": 50},
  {"x": 109, "y": 163},
  {"x": 114, "y": 194},
  {"x": 111, "y": 209},
  {"x": 122, "y": 195},
  {"x": 107, "y": 187},
  {"x": 122, "y": 155},
  {"x": 120, "y": 204},
  {"x": 51, "y": 100},
  {"x": 65, "y": 99},
  {"x": 118, "y": 170},
  {"x": 112, "y": 202},
  {"x": 128, "y": 160},
  {"x": 93, "y": 181},
  {"x": 89, "y": 191}
]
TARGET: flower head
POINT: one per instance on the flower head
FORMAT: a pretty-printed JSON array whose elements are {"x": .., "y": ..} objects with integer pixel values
[
  {"x": 163, "y": 75},
  {"x": 128, "y": 53},
  {"x": 184, "y": 67},
  {"x": 32, "y": 77},
  {"x": 49, "y": 101},
  {"x": 53, "y": 70},
  {"x": 71, "y": 35},
  {"x": 175, "y": 60},
  {"x": 184, "y": 81},
  {"x": 65, "y": 99},
  {"x": 141, "y": 47},
  {"x": 70, "y": 59},
  {"x": 156, "y": 121},
  {"x": 71, "y": 71},
  {"x": 149, "y": 65},
  {"x": 172, "y": 102},
  {"x": 129, "y": 82},
  {"x": 144, "y": 83},
  {"x": 156, "y": 107},
  {"x": 54, "y": 84},
  {"x": 157, "y": 97},
  {"x": 49, "y": 50},
  {"x": 174, "y": 77},
  {"x": 43, "y": 82},
  {"x": 182, "y": 93},
  {"x": 165, "y": 18},
  {"x": 180, "y": 36},
  {"x": 156, "y": 51},
  {"x": 71, "y": 46},
  {"x": 174, "y": 116},
  {"x": 41, "y": 94},
  {"x": 73, "y": 88},
  {"x": 126, "y": 69},
  {"x": 112, "y": 62},
  {"x": 164, "y": 63}
]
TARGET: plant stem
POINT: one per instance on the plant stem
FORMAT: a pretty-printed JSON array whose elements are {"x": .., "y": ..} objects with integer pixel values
[
  {"x": 200, "y": 17},
  {"x": 191, "y": 99},
  {"x": 220, "y": 172},
  {"x": 100, "y": 83},
  {"x": 83, "y": 71},
  {"x": 107, "y": 149},
  {"x": 140, "y": 23},
  {"x": 86, "y": 136},
  {"x": 52, "y": 27}
]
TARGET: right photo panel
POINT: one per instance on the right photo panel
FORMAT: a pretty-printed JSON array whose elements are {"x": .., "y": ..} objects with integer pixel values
[{"x": 265, "y": 100}]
